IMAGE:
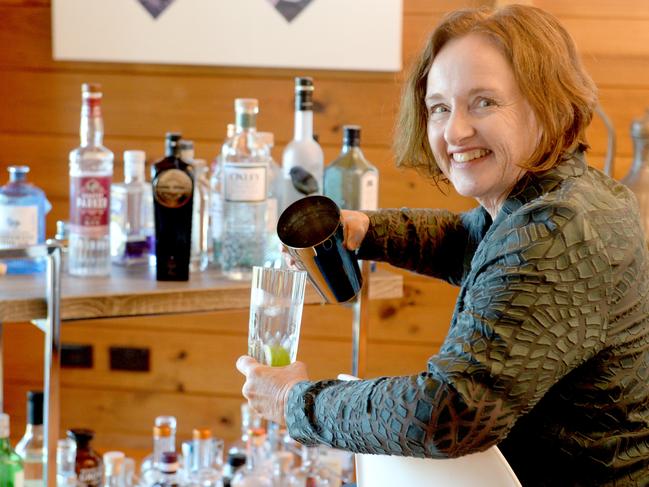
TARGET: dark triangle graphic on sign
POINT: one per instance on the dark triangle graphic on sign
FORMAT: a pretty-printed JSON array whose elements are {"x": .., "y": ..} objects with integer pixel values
[
  {"x": 290, "y": 8},
  {"x": 155, "y": 7}
]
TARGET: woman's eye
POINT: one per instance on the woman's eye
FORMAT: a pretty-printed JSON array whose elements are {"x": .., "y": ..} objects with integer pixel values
[
  {"x": 485, "y": 103},
  {"x": 436, "y": 109}
]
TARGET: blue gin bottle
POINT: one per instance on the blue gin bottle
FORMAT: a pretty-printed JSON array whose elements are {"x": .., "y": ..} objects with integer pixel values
[{"x": 23, "y": 207}]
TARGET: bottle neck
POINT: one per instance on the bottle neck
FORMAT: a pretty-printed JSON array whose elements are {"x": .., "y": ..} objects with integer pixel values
[
  {"x": 245, "y": 122},
  {"x": 34, "y": 430},
  {"x": 92, "y": 124},
  {"x": 161, "y": 445},
  {"x": 353, "y": 148},
  {"x": 303, "y": 125}
]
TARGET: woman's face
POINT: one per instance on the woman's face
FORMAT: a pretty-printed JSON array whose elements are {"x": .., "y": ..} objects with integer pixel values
[{"x": 480, "y": 126}]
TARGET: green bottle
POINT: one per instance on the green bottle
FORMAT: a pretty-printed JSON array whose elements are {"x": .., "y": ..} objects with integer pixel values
[{"x": 11, "y": 465}]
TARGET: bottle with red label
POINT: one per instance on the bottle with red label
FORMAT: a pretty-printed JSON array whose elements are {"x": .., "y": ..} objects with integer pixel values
[{"x": 91, "y": 173}]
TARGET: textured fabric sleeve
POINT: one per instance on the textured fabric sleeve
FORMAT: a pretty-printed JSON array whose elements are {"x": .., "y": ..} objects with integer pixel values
[
  {"x": 433, "y": 242},
  {"x": 533, "y": 308}
]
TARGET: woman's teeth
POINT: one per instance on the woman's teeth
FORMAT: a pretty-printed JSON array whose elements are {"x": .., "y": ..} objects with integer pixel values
[{"x": 470, "y": 155}]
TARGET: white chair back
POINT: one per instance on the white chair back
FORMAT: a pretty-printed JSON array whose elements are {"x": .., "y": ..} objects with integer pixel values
[{"x": 485, "y": 469}]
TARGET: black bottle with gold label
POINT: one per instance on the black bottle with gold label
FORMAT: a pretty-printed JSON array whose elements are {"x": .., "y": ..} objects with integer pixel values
[{"x": 173, "y": 191}]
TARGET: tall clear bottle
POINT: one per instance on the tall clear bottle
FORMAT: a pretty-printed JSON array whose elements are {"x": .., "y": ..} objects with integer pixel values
[
  {"x": 302, "y": 160},
  {"x": 244, "y": 177},
  {"x": 253, "y": 474},
  {"x": 131, "y": 214},
  {"x": 23, "y": 207},
  {"x": 351, "y": 180},
  {"x": 30, "y": 447},
  {"x": 164, "y": 440},
  {"x": 201, "y": 241},
  {"x": 91, "y": 172},
  {"x": 638, "y": 178},
  {"x": 11, "y": 465}
]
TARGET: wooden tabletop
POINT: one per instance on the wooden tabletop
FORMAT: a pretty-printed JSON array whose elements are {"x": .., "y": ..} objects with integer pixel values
[{"x": 135, "y": 292}]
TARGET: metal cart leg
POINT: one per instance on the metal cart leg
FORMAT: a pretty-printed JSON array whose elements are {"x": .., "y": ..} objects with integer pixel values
[
  {"x": 360, "y": 321},
  {"x": 52, "y": 362}
]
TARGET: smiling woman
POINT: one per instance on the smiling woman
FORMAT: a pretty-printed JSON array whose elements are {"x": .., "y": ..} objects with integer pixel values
[
  {"x": 480, "y": 127},
  {"x": 546, "y": 355}
]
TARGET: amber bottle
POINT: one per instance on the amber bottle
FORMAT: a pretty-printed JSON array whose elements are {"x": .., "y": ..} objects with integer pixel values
[{"x": 88, "y": 466}]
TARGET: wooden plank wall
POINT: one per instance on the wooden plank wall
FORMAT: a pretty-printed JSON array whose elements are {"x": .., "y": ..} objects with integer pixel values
[{"x": 192, "y": 356}]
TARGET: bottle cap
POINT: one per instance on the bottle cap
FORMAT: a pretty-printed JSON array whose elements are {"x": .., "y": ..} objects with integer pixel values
[
  {"x": 91, "y": 88},
  {"x": 169, "y": 421},
  {"x": 35, "y": 407},
  {"x": 303, "y": 83},
  {"x": 4, "y": 425},
  {"x": 17, "y": 173},
  {"x": 202, "y": 433},
  {"x": 134, "y": 161},
  {"x": 352, "y": 135},
  {"x": 266, "y": 138},
  {"x": 246, "y": 105},
  {"x": 82, "y": 436},
  {"x": 162, "y": 431},
  {"x": 171, "y": 143},
  {"x": 62, "y": 230},
  {"x": 113, "y": 462}
]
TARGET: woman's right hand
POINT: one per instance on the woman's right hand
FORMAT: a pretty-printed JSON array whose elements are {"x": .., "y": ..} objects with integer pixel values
[{"x": 355, "y": 226}]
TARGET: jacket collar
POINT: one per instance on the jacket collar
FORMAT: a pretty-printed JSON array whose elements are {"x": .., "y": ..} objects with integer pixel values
[{"x": 533, "y": 185}]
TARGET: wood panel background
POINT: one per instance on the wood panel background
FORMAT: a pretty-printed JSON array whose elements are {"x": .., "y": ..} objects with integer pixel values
[{"x": 192, "y": 356}]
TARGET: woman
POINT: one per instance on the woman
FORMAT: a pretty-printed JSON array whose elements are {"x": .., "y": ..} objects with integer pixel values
[{"x": 547, "y": 352}]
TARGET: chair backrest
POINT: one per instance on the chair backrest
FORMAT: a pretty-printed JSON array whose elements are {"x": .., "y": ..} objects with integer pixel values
[
  {"x": 488, "y": 468},
  {"x": 485, "y": 469}
]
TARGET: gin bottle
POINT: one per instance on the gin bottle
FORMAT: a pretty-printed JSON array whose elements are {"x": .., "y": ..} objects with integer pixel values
[
  {"x": 201, "y": 217},
  {"x": 30, "y": 447},
  {"x": 91, "y": 171},
  {"x": 173, "y": 196},
  {"x": 244, "y": 177},
  {"x": 11, "y": 465},
  {"x": 22, "y": 218},
  {"x": 131, "y": 214},
  {"x": 351, "y": 180},
  {"x": 302, "y": 160}
]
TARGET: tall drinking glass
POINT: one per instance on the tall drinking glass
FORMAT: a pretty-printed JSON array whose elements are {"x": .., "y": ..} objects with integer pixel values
[{"x": 276, "y": 301}]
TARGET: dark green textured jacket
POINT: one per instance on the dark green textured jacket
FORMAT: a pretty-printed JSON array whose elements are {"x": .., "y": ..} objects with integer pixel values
[{"x": 547, "y": 355}]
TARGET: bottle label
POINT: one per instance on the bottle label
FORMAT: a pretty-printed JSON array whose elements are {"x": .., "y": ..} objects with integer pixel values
[
  {"x": 369, "y": 197},
  {"x": 244, "y": 184},
  {"x": 173, "y": 188},
  {"x": 90, "y": 205},
  {"x": 90, "y": 477},
  {"x": 18, "y": 226}
]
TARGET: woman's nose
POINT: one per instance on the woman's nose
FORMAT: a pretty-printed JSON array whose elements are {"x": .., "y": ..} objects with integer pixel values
[{"x": 458, "y": 128}]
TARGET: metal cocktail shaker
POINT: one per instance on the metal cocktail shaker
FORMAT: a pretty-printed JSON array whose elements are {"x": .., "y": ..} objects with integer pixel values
[{"x": 312, "y": 231}]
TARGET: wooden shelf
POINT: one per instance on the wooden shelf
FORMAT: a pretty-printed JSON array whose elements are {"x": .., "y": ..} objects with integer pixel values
[{"x": 135, "y": 292}]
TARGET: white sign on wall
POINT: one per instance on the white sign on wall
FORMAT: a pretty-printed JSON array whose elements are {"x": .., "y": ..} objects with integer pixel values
[{"x": 319, "y": 34}]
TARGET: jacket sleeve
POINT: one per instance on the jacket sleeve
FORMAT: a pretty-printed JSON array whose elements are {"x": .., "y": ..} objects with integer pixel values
[
  {"x": 433, "y": 242},
  {"x": 533, "y": 308}
]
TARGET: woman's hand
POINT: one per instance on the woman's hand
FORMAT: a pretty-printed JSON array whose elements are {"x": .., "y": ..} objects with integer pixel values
[
  {"x": 267, "y": 388},
  {"x": 355, "y": 226}
]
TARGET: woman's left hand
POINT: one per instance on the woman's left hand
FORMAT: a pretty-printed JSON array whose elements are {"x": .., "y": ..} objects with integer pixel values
[{"x": 267, "y": 388}]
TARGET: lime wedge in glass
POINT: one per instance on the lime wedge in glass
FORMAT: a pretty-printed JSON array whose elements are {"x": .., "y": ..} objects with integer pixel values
[{"x": 276, "y": 356}]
